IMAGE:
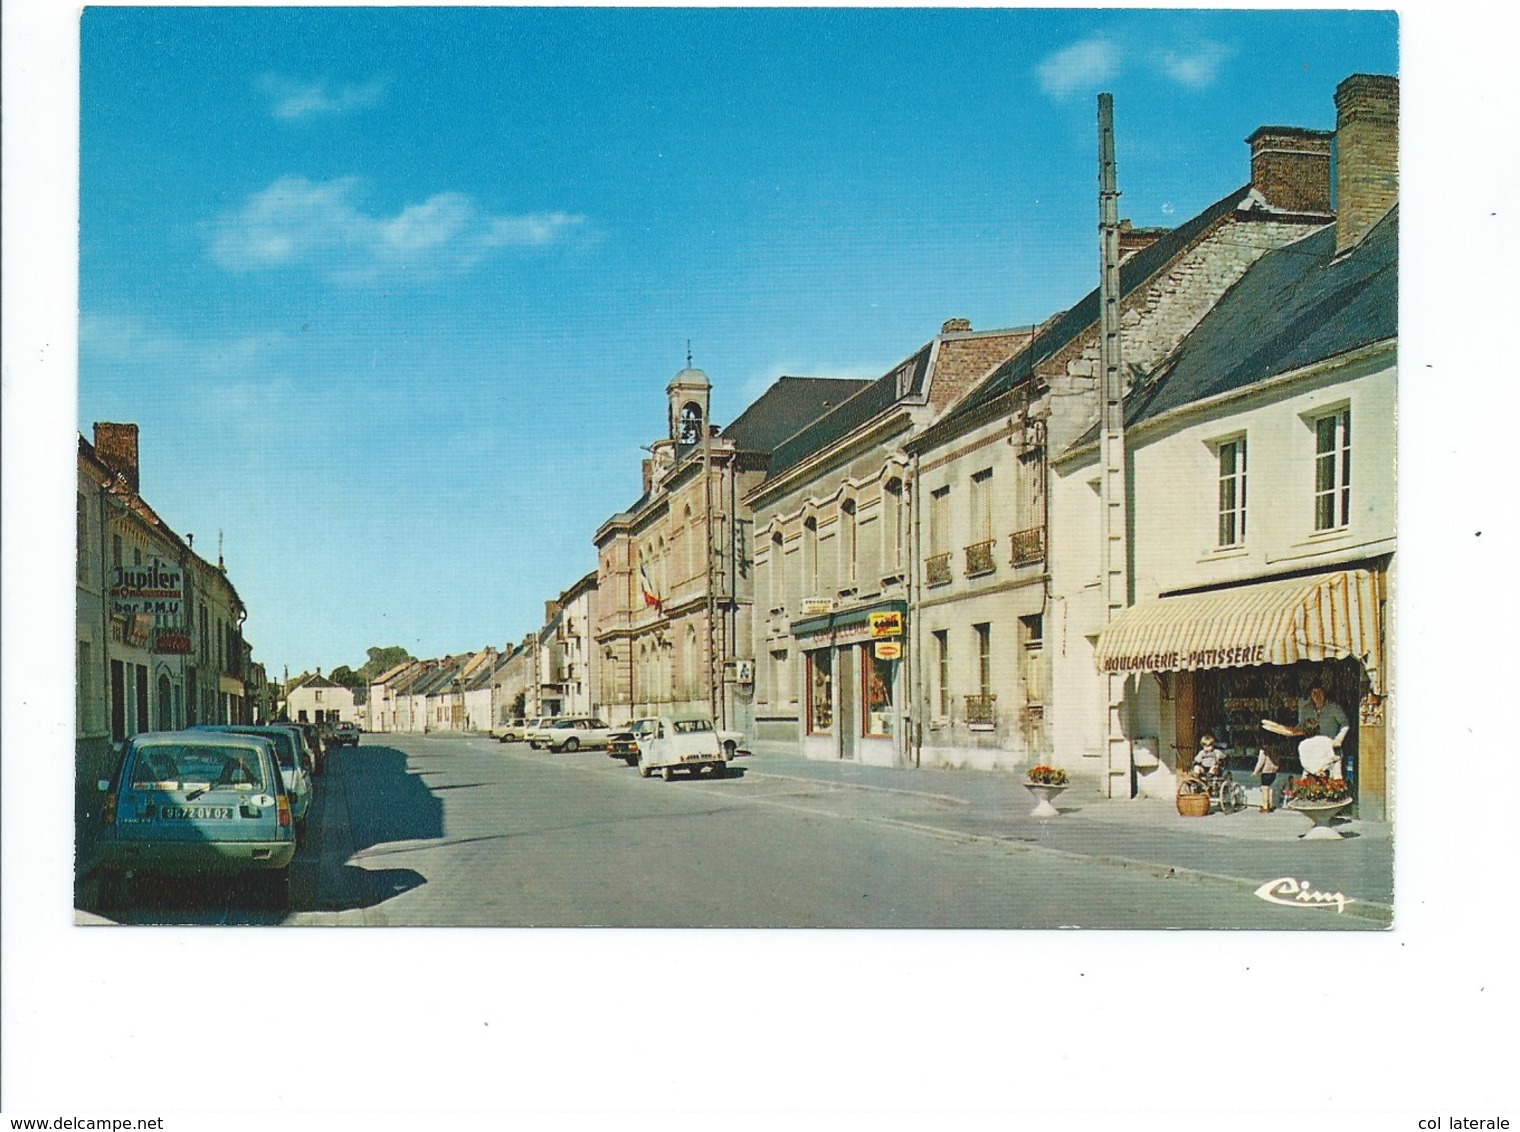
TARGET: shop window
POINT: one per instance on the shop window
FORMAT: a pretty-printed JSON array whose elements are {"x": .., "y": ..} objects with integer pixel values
[
  {"x": 1232, "y": 492},
  {"x": 1332, "y": 471},
  {"x": 820, "y": 692},
  {"x": 876, "y": 684}
]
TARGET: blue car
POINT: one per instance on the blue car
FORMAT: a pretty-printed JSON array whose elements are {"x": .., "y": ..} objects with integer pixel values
[
  {"x": 296, "y": 766},
  {"x": 196, "y": 804}
]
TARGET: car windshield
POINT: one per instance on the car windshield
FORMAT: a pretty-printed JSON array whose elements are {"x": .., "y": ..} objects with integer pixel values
[
  {"x": 171, "y": 766},
  {"x": 284, "y": 744},
  {"x": 691, "y": 726},
  {"x": 644, "y": 726}
]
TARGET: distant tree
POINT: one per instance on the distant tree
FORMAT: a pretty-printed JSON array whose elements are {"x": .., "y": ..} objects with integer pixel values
[
  {"x": 347, "y": 677},
  {"x": 382, "y": 658}
]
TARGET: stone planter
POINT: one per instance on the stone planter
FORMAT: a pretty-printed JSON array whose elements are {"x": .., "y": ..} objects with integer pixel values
[
  {"x": 1046, "y": 794},
  {"x": 1320, "y": 813}
]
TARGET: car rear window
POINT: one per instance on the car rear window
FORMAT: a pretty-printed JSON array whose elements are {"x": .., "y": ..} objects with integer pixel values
[
  {"x": 691, "y": 726},
  {"x": 167, "y": 766}
]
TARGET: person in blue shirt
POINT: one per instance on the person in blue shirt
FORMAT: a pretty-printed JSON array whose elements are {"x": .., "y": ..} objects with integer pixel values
[{"x": 1320, "y": 715}]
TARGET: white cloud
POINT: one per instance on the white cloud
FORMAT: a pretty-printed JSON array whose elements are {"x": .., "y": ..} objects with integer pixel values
[
  {"x": 119, "y": 341},
  {"x": 296, "y": 222},
  {"x": 294, "y": 99},
  {"x": 1081, "y": 66},
  {"x": 1198, "y": 68}
]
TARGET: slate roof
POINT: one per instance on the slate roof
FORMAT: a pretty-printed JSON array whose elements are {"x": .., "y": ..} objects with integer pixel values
[
  {"x": 1070, "y": 324},
  {"x": 872, "y": 399},
  {"x": 1295, "y": 306},
  {"x": 788, "y": 405}
]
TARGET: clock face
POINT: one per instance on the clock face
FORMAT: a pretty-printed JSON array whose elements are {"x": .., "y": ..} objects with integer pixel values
[{"x": 691, "y": 423}]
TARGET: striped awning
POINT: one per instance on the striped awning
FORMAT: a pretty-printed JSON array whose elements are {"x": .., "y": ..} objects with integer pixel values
[{"x": 1323, "y": 617}]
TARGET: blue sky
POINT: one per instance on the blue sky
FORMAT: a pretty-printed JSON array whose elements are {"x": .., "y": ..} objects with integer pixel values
[{"x": 394, "y": 293}]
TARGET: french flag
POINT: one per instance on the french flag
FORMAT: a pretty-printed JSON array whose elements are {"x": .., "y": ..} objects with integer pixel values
[{"x": 648, "y": 587}]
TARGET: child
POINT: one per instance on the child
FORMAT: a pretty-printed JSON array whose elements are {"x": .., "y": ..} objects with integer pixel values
[
  {"x": 1206, "y": 761},
  {"x": 1267, "y": 769}
]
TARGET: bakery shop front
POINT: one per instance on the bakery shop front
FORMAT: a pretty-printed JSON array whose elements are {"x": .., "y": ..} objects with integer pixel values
[{"x": 1224, "y": 660}]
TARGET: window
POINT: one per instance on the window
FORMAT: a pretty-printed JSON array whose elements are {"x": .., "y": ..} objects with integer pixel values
[
  {"x": 847, "y": 545},
  {"x": 1032, "y": 629},
  {"x": 939, "y": 521},
  {"x": 876, "y": 684},
  {"x": 778, "y": 572},
  {"x": 116, "y": 550},
  {"x": 81, "y": 543},
  {"x": 981, "y": 506},
  {"x": 165, "y": 704},
  {"x": 141, "y": 720},
  {"x": 892, "y": 529},
  {"x": 1332, "y": 471},
  {"x": 810, "y": 557},
  {"x": 983, "y": 658},
  {"x": 820, "y": 719},
  {"x": 118, "y": 701},
  {"x": 942, "y": 667},
  {"x": 82, "y": 720},
  {"x": 1232, "y": 492}
]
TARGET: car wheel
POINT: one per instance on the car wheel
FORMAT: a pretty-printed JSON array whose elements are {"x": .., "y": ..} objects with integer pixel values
[
  {"x": 730, "y": 747},
  {"x": 571, "y": 745},
  {"x": 718, "y": 770},
  {"x": 668, "y": 773},
  {"x": 644, "y": 771}
]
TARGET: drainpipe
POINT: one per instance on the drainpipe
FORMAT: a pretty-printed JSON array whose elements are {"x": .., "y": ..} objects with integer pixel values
[{"x": 915, "y": 600}]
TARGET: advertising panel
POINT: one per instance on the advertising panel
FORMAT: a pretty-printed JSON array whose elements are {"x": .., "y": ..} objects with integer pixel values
[{"x": 150, "y": 599}]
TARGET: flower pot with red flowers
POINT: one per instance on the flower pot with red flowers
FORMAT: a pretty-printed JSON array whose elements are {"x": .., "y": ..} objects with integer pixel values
[
  {"x": 1045, "y": 783},
  {"x": 1319, "y": 798}
]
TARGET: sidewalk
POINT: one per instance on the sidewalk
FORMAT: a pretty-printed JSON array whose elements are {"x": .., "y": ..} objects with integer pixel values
[{"x": 1248, "y": 848}]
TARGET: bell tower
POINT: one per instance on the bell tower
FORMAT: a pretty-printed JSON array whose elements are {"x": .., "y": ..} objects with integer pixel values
[{"x": 688, "y": 394}]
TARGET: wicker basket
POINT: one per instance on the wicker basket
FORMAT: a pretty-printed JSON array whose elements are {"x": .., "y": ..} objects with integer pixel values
[{"x": 1193, "y": 805}]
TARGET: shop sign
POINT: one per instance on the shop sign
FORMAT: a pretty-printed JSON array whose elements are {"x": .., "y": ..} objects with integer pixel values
[
  {"x": 886, "y": 625},
  {"x": 172, "y": 642},
  {"x": 888, "y": 650},
  {"x": 150, "y": 599},
  {"x": 1176, "y": 660},
  {"x": 816, "y": 606},
  {"x": 744, "y": 673}
]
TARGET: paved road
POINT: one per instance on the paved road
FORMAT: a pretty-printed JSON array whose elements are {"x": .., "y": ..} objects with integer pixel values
[{"x": 420, "y": 831}]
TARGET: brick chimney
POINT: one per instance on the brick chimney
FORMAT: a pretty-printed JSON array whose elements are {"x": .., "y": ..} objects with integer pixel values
[
  {"x": 116, "y": 445},
  {"x": 956, "y": 326},
  {"x": 1366, "y": 155},
  {"x": 1290, "y": 167},
  {"x": 551, "y": 611}
]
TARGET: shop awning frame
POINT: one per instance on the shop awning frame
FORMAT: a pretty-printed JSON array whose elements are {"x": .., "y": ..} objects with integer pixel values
[{"x": 1332, "y": 616}]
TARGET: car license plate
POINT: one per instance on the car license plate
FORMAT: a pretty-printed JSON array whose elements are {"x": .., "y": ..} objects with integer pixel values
[{"x": 213, "y": 813}]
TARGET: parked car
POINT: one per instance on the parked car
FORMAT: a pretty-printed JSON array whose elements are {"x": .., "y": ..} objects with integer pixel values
[
  {"x": 574, "y": 733},
  {"x": 733, "y": 743},
  {"x": 623, "y": 743},
  {"x": 533, "y": 734},
  {"x": 193, "y": 803},
  {"x": 684, "y": 741},
  {"x": 345, "y": 735},
  {"x": 296, "y": 766},
  {"x": 512, "y": 731},
  {"x": 314, "y": 743}
]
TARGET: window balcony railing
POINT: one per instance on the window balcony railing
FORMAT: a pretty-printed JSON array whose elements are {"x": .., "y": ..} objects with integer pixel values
[
  {"x": 982, "y": 710},
  {"x": 979, "y": 559},
  {"x": 1028, "y": 546},
  {"x": 937, "y": 570}
]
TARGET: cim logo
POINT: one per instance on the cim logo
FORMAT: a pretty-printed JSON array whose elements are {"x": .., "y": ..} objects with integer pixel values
[{"x": 1300, "y": 894}]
